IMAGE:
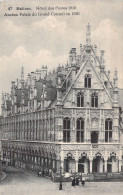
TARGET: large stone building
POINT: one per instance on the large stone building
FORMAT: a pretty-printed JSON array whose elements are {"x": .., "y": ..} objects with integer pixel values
[{"x": 67, "y": 119}]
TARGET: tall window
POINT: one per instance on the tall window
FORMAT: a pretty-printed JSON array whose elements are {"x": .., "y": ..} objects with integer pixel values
[
  {"x": 94, "y": 100},
  {"x": 80, "y": 130},
  {"x": 108, "y": 130},
  {"x": 88, "y": 81},
  {"x": 80, "y": 100},
  {"x": 66, "y": 130}
]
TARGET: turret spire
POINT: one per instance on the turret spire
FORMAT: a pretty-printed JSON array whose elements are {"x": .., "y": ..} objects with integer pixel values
[
  {"x": 22, "y": 73},
  {"x": 88, "y": 33},
  {"x": 22, "y": 76},
  {"x": 115, "y": 78}
]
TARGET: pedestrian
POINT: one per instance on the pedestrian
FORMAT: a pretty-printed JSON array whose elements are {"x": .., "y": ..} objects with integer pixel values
[
  {"x": 60, "y": 186},
  {"x": 73, "y": 181},
  {"x": 43, "y": 173},
  {"x": 83, "y": 181},
  {"x": 77, "y": 181}
]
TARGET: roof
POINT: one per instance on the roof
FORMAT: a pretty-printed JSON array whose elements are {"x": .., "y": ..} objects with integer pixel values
[
  {"x": 9, "y": 103},
  {"x": 51, "y": 90},
  {"x": 19, "y": 93}
]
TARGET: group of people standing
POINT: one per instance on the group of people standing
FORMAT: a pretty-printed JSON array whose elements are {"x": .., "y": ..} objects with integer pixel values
[
  {"x": 41, "y": 173},
  {"x": 75, "y": 181}
]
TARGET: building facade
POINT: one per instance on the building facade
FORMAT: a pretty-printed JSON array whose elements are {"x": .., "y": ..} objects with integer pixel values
[{"x": 68, "y": 119}]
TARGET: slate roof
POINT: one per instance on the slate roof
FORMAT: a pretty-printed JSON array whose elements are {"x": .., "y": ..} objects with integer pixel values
[
  {"x": 9, "y": 103},
  {"x": 50, "y": 89},
  {"x": 19, "y": 96}
]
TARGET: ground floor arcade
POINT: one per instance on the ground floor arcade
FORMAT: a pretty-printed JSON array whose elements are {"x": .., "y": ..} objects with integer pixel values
[
  {"x": 97, "y": 164},
  {"x": 66, "y": 158}
]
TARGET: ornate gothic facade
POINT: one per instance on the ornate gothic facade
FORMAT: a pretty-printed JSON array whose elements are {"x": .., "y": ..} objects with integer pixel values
[{"x": 68, "y": 118}]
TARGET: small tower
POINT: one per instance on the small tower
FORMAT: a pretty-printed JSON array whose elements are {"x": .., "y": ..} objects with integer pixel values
[
  {"x": 2, "y": 105},
  {"x": 116, "y": 107},
  {"x": 115, "y": 91},
  {"x": 88, "y": 33},
  {"x": 102, "y": 65},
  {"x": 88, "y": 39},
  {"x": 59, "y": 84},
  {"x": 35, "y": 99},
  {"x": 22, "y": 77}
]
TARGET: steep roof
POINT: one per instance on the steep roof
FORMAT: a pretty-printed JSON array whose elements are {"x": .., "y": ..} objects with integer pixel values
[
  {"x": 19, "y": 93},
  {"x": 9, "y": 103},
  {"x": 50, "y": 90}
]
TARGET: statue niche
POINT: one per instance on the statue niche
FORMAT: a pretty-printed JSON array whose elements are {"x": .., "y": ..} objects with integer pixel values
[{"x": 94, "y": 124}]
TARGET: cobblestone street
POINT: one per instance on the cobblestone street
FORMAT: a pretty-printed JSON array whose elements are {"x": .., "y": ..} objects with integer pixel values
[{"x": 19, "y": 182}]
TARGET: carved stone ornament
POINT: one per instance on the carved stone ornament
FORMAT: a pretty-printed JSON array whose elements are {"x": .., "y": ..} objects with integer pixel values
[{"x": 95, "y": 113}]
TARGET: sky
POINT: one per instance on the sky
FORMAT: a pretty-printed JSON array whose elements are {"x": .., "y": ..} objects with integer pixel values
[{"x": 46, "y": 40}]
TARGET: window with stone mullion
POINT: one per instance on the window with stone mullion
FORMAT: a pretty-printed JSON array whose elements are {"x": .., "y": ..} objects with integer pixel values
[
  {"x": 80, "y": 100},
  {"x": 108, "y": 130},
  {"x": 80, "y": 130},
  {"x": 94, "y": 100},
  {"x": 87, "y": 81},
  {"x": 66, "y": 130}
]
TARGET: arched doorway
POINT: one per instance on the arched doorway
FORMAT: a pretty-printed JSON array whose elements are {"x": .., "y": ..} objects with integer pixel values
[
  {"x": 83, "y": 164},
  {"x": 69, "y": 163},
  {"x": 112, "y": 163},
  {"x": 98, "y": 164}
]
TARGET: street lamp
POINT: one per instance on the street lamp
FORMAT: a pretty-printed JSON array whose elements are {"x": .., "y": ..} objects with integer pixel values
[{"x": 60, "y": 185}]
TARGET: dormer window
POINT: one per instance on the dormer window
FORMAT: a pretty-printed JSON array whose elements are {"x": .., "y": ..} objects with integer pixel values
[
  {"x": 94, "y": 100},
  {"x": 88, "y": 81}
]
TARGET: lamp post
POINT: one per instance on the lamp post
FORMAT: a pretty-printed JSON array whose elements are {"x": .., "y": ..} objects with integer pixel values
[{"x": 60, "y": 185}]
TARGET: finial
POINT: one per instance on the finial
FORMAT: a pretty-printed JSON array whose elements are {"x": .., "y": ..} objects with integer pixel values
[
  {"x": 109, "y": 74},
  {"x": 102, "y": 57},
  {"x": 88, "y": 33},
  {"x": 115, "y": 78},
  {"x": 95, "y": 48},
  {"x": 116, "y": 74},
  {"x": 22, "y": 73}
]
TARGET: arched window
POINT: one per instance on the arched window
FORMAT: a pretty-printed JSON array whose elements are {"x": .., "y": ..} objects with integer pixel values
[
  {"x": 88, "y": 81},
  {"x": 80, "y": 100},
  {"x": 80, "y": 130},
  {"x": 66, "y": 130},
  {"x": 94, "y": 100},
  {"x": 108, "y": 130}
]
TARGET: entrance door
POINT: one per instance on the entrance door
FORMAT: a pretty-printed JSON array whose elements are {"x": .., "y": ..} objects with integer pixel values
[
  {"x": 94, "y": 137},
  {"x": 80, "y": 168},
  {"x": 95, "y": 165},
  {"x": 109, "y": 168},
  {"x": 67, "y": 165}
]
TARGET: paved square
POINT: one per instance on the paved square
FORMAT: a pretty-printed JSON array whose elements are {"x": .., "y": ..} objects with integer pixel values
[{"x": 19, "y": 182}]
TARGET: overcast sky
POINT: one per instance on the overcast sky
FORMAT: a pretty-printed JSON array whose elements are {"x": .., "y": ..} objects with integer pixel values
[{"x": 35, "y": 41}]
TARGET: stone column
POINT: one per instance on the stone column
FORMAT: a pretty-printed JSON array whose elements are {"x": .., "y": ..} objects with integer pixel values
[
  {"x": 86, "y": 166},
  {"x": 120, "y": 163},
  {"x": 76, "y": 166},
  {"x": 101, "y": 165},
  {"x": 91, "y": 166},
  {"x": 105, "y": 166},
  {"x": 62, "y": 166},
  {"x": 120, "y": 159}
]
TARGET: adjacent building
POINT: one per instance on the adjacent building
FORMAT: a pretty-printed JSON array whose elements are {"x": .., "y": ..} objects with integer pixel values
[{"x": 68, "y": 119}]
